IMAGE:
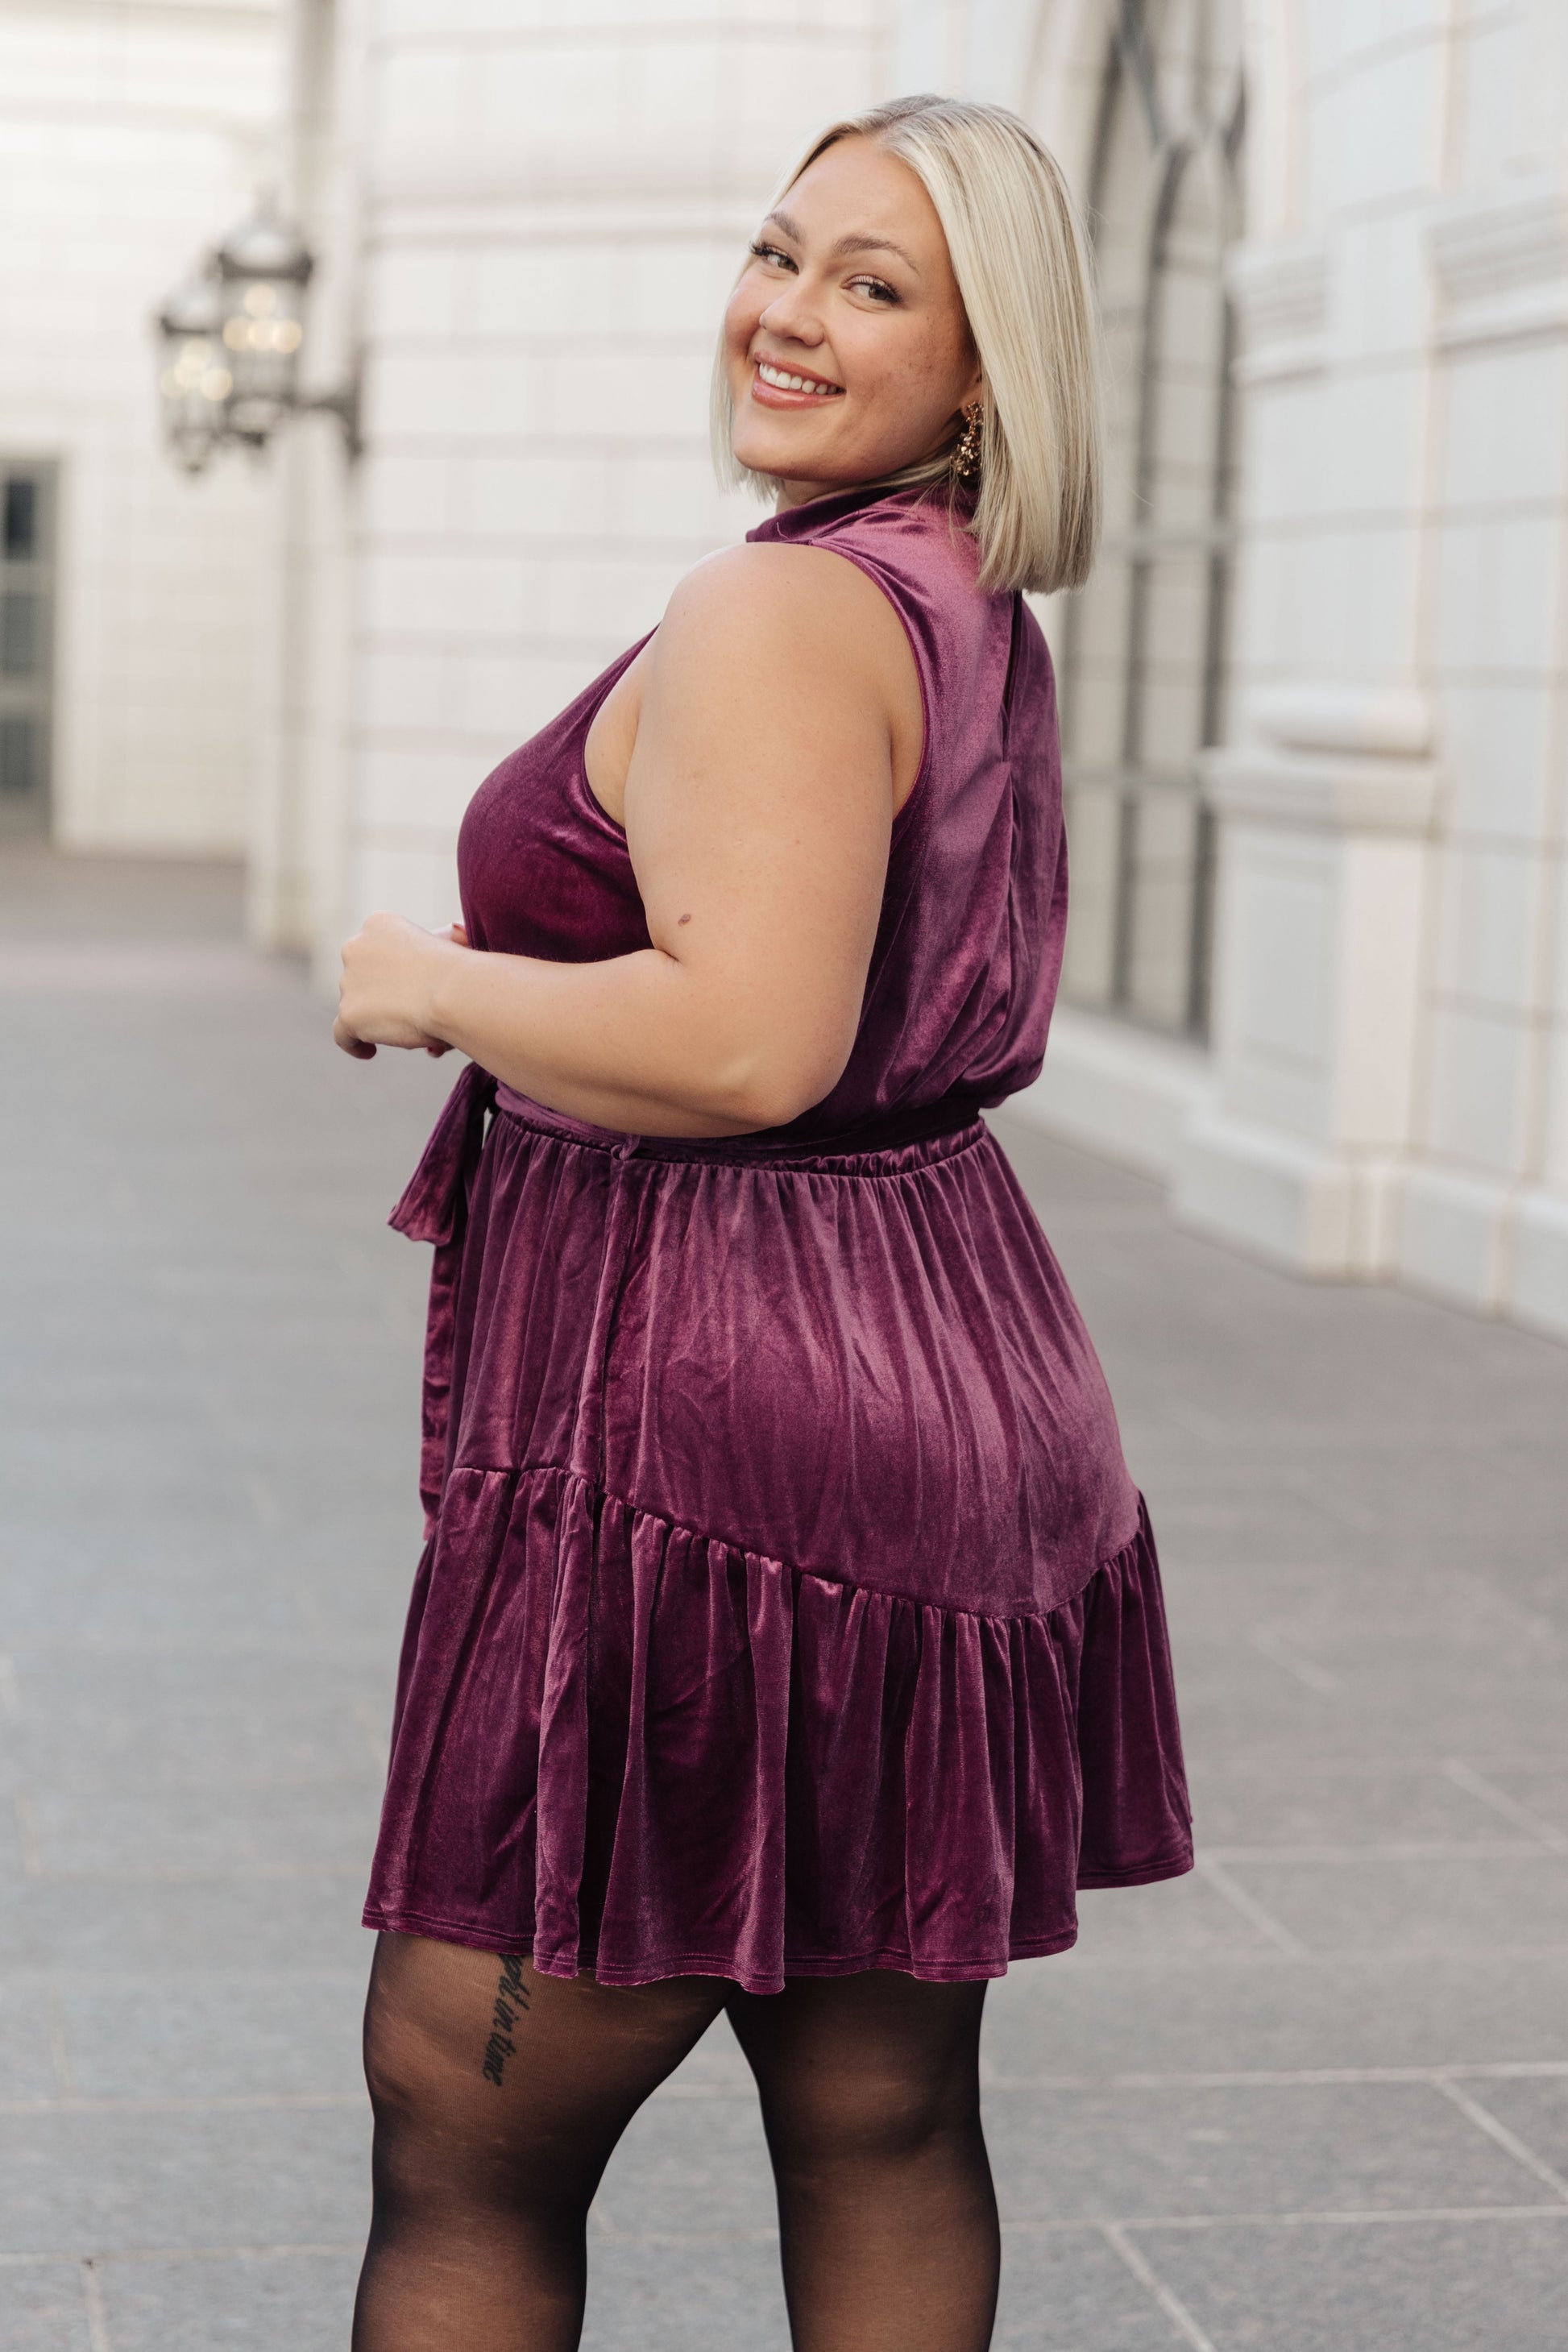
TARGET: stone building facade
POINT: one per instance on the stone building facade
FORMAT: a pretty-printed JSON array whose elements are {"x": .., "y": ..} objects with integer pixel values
[
  {"x": 130, "y": 131},
  {"x": 1314, "y": 701}
]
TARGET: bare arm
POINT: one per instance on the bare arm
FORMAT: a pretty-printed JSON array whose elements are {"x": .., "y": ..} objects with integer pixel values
[{"x": 758, "y": 808}]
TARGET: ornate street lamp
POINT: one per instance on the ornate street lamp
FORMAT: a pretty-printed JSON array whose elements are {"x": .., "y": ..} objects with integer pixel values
[
  {"x": 232, "y": 340},
  {"x": 193, "y": 380}
]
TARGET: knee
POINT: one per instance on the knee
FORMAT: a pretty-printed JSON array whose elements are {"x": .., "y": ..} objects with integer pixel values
[{"x": 870, "y": 2118}]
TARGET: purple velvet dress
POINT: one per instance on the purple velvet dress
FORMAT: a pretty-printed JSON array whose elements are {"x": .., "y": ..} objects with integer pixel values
[{"x": 787, "y": 1608}]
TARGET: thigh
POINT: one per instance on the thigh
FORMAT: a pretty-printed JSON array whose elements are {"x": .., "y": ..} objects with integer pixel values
[
  {"x": 841, "y": 2061},
  {"x": 493, "y": 2058}
]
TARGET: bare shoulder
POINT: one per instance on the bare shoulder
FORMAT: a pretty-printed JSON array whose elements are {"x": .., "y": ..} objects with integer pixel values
[{"x": 801, "y": 602}]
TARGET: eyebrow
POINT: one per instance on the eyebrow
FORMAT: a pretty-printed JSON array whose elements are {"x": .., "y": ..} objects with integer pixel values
[{"x": 853, "y": 242}]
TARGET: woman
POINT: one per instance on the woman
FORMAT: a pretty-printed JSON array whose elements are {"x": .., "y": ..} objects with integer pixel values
[{"x": 789, "y": 1638}]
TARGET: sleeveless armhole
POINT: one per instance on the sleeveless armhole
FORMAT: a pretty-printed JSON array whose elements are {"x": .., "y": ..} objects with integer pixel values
[{"x": 883, "y": 584}]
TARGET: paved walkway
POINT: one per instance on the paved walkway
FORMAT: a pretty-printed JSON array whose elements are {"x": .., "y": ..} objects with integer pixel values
[{"x": 1313, "y": 2099}]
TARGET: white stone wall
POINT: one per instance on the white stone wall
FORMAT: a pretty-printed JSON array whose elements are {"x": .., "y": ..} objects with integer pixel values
[
  {"x": 1486, "y": 1215},
  {"x": 1386, "y": 1092},
  {"x": 130, "y": 136},
  {"x": 553, "y": 204},
  {"x": 1390, "y": 1047},
  {"x": 535, "y": 221}
]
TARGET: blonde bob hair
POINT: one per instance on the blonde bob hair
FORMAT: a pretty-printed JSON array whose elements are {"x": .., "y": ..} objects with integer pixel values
[{"x": 1021, "y": 261}]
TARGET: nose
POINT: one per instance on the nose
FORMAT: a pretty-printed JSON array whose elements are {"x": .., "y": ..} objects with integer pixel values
[{"x": 791, "y": 314}]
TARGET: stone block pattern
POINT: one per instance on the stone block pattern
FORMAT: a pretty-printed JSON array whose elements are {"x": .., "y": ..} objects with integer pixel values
[{"x": 555, "y": 211}]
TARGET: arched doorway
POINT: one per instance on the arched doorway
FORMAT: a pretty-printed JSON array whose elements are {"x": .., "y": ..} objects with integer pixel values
[{"x": 1144, "y": 667}]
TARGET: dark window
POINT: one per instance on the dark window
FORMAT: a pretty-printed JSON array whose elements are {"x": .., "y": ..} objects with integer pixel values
[
  {"x": 26, "y": 648},
  {"x": 18, "y": 757},
  {"x": 21, "y": 517}
]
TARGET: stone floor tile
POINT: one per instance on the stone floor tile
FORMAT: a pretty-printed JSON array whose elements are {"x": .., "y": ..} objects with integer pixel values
[
  {"x": 1541, "y": 1792},
  {"x": 713, "y": 2297},
  {"x": 1074, "y": 2017},
  {"x": 1273, "y": 1801},
  {"x": 1394, "y": 1692},
  {"x": 17, "y": 1841},
  {"x": 257, "y": 2303},
  {"x": 1536, "y": 2111},
  {"x": 1071, "y": 1181},
  {"x": 89, "y": 1719},
  {"x": 1237, "y": 1703},
  {"x": 44, "y": 2308},
  {"x": 1368, "y": 1904},
  {"x": 29, "y": 2027},
  {"x": 105, "y": 2181},
  {"x": 221, "y": 1829},
  {"x": 1310, "y": 2147},
  {"x": 42, "y": 895},
  {"x": 691, "y": 2166},
  {"x": 1409, "y": 2286},
  {"x": 172, "y": 1924},
  {"x": 1172, "y": 1917},
  {"x": 214, "y": 2036},
  {"x": 1069, "y": 2291},
  {"x": 160, "y": 1589}
]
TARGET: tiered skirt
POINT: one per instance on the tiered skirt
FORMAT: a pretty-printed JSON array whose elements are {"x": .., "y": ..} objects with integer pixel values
[{"x": 787, "y": 1609}]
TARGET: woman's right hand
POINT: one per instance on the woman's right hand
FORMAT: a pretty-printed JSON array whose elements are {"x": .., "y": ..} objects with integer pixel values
[{"x": 384, "y": 985}]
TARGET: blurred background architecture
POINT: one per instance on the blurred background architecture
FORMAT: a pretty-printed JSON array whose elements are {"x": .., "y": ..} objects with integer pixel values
[
  {"x": 1313, "y": 701},
  {"x": 127, "y": 132}
]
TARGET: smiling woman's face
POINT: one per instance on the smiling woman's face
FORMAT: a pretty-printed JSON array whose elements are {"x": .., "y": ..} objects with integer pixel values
[{"x": 847, "y": 351}]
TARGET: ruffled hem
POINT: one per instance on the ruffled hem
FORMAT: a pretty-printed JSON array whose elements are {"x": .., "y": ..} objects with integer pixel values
[
  {"x": 633, "y": 1748},
  {"x": 714, "y": 1964}
]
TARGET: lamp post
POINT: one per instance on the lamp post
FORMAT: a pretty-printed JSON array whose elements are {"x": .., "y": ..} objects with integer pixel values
[
  {"x": 233, "y": 337},
  {"x": 193, "y": 380}
]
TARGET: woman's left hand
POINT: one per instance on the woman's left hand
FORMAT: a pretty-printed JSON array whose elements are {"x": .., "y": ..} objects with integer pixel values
[{"x": 389, "y": 972}]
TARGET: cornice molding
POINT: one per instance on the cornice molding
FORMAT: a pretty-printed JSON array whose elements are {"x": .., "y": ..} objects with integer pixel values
[
  {"x": 1253, "y": 785},
  {"x": 1501, "y": 268},
  {"x": 1380, "y": 722},
  {"x": 1495, "y": 248},
  {"x": 1280, "y": 291}
]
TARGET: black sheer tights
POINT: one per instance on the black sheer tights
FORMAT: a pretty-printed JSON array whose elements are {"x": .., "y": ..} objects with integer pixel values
[{"x": 500, "y": 2094}]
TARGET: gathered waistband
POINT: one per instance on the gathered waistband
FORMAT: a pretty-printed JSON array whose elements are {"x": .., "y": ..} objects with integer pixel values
[
  {"x": 953, "y": 1114},
  {"x": 433, "y": 1205}
]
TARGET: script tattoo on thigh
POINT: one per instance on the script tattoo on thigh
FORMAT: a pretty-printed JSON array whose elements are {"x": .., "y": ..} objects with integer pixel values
[{"x": 511, "y": 2002}]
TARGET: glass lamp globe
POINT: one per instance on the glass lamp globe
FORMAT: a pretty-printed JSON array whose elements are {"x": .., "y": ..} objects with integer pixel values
[
  {"x": 195, "y": 380},
  {"x": 263, "y": 268}
]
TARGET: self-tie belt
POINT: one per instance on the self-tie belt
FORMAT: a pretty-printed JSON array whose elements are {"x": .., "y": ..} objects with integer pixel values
[{"x": 435, "y": 1205}]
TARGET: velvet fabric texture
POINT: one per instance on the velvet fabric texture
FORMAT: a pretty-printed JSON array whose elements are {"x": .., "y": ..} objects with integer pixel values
[{"x": 787, "y": 1608}]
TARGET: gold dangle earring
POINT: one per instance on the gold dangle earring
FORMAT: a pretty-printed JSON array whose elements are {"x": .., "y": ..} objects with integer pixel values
[{"x": 966, "y": 452}]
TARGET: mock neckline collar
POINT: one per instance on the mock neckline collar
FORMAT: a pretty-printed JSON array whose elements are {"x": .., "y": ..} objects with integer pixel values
[{"x": 795, "y": 521}]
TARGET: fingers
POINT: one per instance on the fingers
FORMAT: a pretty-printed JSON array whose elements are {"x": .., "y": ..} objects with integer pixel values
[
  {"x": 344, "y": 1039},
  {"x": 385, "y": 992}
]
